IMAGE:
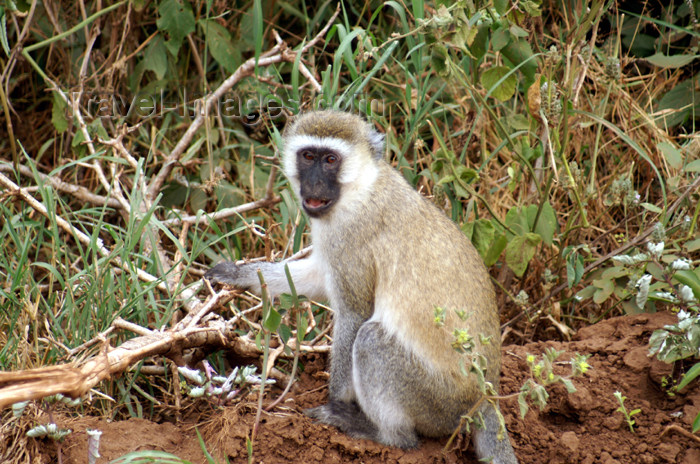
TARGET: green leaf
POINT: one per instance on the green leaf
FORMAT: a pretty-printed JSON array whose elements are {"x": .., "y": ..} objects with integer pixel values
[
  {"x": 503, "y": 91},
  {"x": 302, "y": 325},
  {"x": 483, "y": 236},
  {"x": 520, "y": 52},
  {"x": 286, "y": 301},
  {"x": 3, "y": 32},
  {"x": 221, "y": 45},
  {"x": 684, "y": 99},
  {"x": 692, "y": 246},
  {"x": 693, "y": 166},
  {"x": 439, "y": 59},
  {"x": 672, "y": 154},
  {"x": 570, "y": 388},
  {"x": 670, "y": 61},
  {"x": 284, "y": 332},
  {"x": 518, "y": 31},
  {"x": 154, "y": 57},
  {"x": 58, "y": 114},
  {"x": 175, "y": 18},
  {"x": 501, "y": 38},
  {"x": 587, "y": 292},
  {"x": 522, "y": 403},
  {"x": 689, "y": 278},
  {"x": 520, "y": 251},
  {"x": 574, "y": 269},
  {"x": 496, "y": 249},
  {"x": 467, "y": 175},
  {"x": 517, "y": 220},
  {"x": 696, "y": 423},
  {"x": 689, "y": 376},
  {"x": 501, "y": 6},
  {"x": 650, "y": 207},
  {"x": 547, "y": 222},
  {"x": 257, "y": 28},
  {"x": 478, "y": 46},
  {"x": 272, "y": 320},
  {"x": 605, "y": 289}
]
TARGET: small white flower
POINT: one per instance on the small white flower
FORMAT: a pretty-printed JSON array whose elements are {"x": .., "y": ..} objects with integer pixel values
[
  {"x": 643, "y": 292},
  {"x": 665, "y": 296},
  {"x": 197, "y": 392},
  {"x": 18, "y": 408},
  {"x": 193, "y": 375},
  {"x": 655, "y": 249},
  {"x": 686, "y": 294},
  {"x": 680, "y": 264},
  {"x": 644, "y": 281},
  {"x": 683, "y": 315}
]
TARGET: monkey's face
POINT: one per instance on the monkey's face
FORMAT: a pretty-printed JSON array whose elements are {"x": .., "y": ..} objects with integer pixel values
[
  {"x": 317, "y": 170},
  {"x": 331, "y": 159}
]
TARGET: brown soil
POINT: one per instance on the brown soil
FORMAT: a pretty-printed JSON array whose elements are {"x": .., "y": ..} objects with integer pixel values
[{"x": 583, "y": 427}]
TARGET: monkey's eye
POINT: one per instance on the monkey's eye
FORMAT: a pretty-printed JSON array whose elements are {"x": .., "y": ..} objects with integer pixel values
[
  {"x": 331, "y": 159},
  {"x": 307, "y": 155}
]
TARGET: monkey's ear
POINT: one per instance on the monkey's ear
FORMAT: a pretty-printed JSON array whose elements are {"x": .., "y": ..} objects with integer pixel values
[{"x": 376, "y": 142}]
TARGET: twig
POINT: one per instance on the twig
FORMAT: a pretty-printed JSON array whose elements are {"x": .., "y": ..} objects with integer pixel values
[
  {"x": 208, "y": 306},
  {"x": 680, "y": 430},
  {"x": 289, "y": 383},
  {"x": 99, "y": 338},
  {"x": 276, "y": 54},
  {"x": 302, "y": 67},
  {"x": 77, "y": 191},
  {"x": 206, "y": 218},
  {"x": 120, "y": 323}
]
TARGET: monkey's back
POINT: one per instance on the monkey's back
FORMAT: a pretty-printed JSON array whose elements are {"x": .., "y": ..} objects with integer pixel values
[
  {"x": 452, "y": 277},
  {"x": 420, "y": 261}
]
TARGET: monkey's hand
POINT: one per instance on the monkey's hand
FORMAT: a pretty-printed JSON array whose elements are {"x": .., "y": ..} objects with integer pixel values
[{"x": 242, "y": 277}]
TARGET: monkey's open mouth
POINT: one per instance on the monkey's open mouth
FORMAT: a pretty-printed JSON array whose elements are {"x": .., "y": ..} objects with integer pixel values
[{"x": 316, "y": 206}]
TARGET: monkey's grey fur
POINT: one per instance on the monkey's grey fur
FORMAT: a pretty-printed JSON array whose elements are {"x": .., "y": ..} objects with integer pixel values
[{"x": 385, "y": 257}]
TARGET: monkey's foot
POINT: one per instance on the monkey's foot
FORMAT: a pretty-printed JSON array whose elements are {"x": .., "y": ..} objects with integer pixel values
[{"x": 348, "y": 417}]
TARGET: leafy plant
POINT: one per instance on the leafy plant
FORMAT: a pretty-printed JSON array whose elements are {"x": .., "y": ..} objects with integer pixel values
[
  {"x": 628, "y": 414},
  {"x": 225, "y": 389},
  {"x": 542, "y": 374}
]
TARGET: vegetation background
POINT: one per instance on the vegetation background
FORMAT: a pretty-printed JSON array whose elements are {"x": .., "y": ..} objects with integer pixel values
[{"x": 560, "y": 134}]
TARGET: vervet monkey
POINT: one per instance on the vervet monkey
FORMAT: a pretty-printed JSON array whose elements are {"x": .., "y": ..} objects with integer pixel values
[{"x": 386, "y": 258}]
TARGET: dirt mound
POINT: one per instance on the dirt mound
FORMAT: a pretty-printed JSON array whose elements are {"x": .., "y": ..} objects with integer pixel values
[{"x": 583, "y": 427}]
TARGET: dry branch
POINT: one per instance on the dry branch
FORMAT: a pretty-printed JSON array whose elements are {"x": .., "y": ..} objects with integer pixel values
[
  {"x": 76, "y": 380},
  {"x": 78, "y": 191}
]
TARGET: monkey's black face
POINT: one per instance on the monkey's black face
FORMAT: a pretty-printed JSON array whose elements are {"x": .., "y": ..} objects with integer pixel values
[{"x": 318, "y": 169}]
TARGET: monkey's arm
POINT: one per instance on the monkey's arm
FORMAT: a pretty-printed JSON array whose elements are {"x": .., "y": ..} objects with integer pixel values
[{"x": 306, "y": 276}]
